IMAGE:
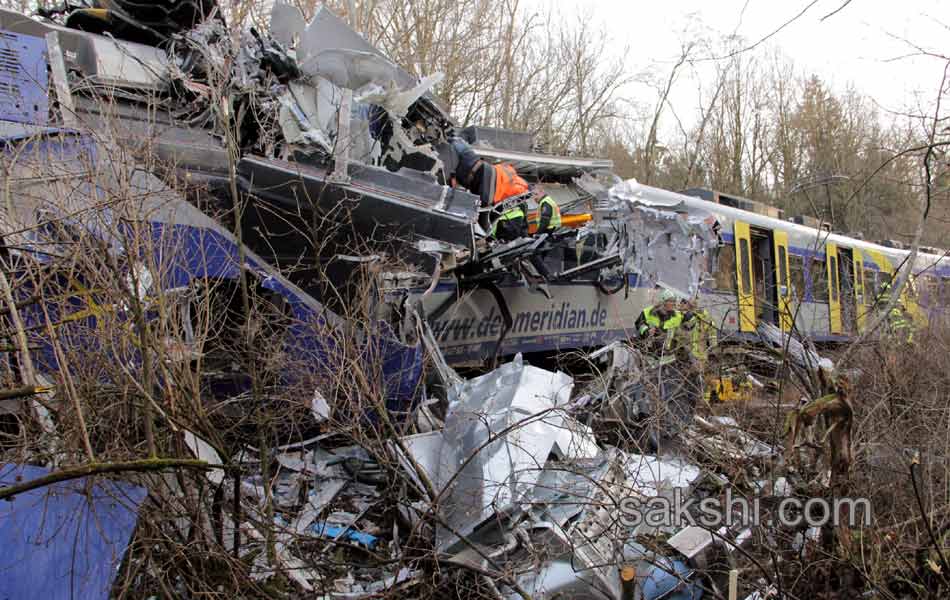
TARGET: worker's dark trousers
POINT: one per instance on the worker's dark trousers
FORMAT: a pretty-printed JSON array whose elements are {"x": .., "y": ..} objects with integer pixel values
[
  {"x": 486, "y": 193},
  {"x": 511, "y": 229}
]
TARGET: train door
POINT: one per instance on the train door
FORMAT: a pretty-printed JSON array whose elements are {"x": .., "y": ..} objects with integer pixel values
[
  {"x": 759, "y": 273},
  {"x": 764, "y": 274},
  {"x": 745, "y": 290},
  {"x": 834, "y": 288},
  {"x": 783, "y": 283},
  {"x": 860, "y": 289},
  {"x": 848, "y": 293}
]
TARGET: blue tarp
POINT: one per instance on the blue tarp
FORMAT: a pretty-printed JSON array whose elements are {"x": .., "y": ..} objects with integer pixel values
[
  {"x": 65, "y": 541},
  {"x": 338, "y": 531}
]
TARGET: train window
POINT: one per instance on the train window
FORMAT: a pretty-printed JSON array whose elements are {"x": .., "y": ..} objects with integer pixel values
[
  {"x": 797, "y": 268},
  {"x": 726, "y": 274},
  {"x": 833, "y": 279},
  {"x": 783, "y": 267},
  {"x": 819, "y": 280},
  {"x": 931, "y": 289},
  {"x": 870, "y": 286},
  {"x": 744, "y": 267}
]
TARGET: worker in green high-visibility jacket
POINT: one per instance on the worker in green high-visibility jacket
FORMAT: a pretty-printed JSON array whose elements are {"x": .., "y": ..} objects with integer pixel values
[
  {"x": 703, "y": 335},
  {"x": 900, "y": 324},
  {"x": 511, "y": 225},
  {"x": 657, "y": 327},
  {"x": 549, "y": 215}
]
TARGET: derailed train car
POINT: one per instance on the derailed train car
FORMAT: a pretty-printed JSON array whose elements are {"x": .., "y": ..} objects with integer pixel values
[
  {"x": 824, "y": 285},
  {"x": 67, "y": 196}
]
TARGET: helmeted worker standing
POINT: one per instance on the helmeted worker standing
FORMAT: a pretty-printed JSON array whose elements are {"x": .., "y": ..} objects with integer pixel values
[
  {"x": 900, "y": 324},
  {"x": 549, "y": 215},
  {"x": 703, "y": 335},
  {"x": 657, "y": 327},
  {"x": 673, "y": 386}
]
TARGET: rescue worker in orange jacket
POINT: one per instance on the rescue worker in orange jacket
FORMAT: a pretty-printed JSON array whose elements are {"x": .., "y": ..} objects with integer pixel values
[{"x": 494, "y": 184}]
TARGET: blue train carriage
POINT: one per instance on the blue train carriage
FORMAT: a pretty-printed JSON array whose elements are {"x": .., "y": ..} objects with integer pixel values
[{"x": 791, "y": 274}]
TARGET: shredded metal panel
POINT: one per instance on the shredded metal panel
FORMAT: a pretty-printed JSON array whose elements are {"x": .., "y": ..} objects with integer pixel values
[
  {"x": 382, "y": 205},
  {"x": 23, "y": 78}
]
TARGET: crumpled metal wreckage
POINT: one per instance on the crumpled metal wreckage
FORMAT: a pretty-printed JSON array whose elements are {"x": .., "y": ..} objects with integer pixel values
[
  {"x": 652, "y": 234},
  {"x": 656, "y": 401},
  {"x": 516, "y": 476},
  {"x": 521, "y": 488},
  {"x": 524, "y": 487}
]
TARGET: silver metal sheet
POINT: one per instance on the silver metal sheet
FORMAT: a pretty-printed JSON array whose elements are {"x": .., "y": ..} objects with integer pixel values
[
  {"x": 499, "y": 431},
  {"x": 124, "y": 64},
  {"x": 654, "y": 476},
  {"x": 425, "y": 449},
  {"x": 691, "y": 541},
  {"x": 327, "y": 32},
  {"x": 204, "y": 451},
  {"x": 796, "y": 349}
]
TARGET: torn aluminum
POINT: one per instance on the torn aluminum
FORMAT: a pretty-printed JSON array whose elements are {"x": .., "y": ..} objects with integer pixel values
[
  {"x": 650, "y": 476},
  {"x": 654, "y": 239},
  {"x": 333, "y": 57},
  {"x": 567, "y": 543},
  {"x": 500, "y": 430},
  {"x": 206, "y": 452},
  {"x": 518, "y": 479},
  {"x": 326, "y": 31},
  {"x": 397, "y": 102},
  {"x": 670, "y": 249},
  {"x": 574, "y": 520},
  {"x": 803, "y": 356},
  {"x": 299, "y": 117}
]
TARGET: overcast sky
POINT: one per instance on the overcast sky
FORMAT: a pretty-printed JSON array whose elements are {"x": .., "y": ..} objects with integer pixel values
[{"x": 856, "y": 45}]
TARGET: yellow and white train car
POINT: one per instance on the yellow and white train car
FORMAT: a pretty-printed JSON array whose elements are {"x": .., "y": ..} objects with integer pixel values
[{"x": 822, "y": 283}]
